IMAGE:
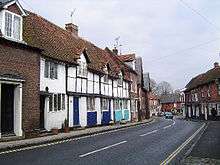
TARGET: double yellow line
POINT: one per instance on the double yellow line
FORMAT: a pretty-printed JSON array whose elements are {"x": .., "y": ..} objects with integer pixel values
[{"x": 178, "y": 150}]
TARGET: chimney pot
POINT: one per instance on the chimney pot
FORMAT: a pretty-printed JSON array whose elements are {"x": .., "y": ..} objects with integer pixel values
[
  {"x": 216, "y": 65},
  {"x": 73, "y": 29},
  {"x": 115, "y": 51}
]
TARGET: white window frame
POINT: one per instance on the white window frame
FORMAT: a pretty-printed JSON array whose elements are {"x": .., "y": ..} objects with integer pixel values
[
  {"x": 91, "y": 104},
  {"x": 106, "y": 106},
  {"x": 12, "y": 30},
  {"x": 56, "y": 108},
  {"x": 48, "y": 73},
  {"x": 82, "y": 69}
]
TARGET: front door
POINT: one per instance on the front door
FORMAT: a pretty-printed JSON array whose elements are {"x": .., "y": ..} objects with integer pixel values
[
  {"x": 42, "y": 107},
  {"x": 7, "y": 108},
  {"x": 75, "y": 111},
  {"x": 106, "y": 115}
]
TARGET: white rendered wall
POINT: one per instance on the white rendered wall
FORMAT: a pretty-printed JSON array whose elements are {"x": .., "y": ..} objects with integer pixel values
[
  {"x": 71, "y": 84},
  {"x": 83, "y": 111},
  {"x": 71, "y": 111},
  {"x": 98, "y": 109},
  {"x": 18, "y": 110},
  {"x": 55, "y": 85}
]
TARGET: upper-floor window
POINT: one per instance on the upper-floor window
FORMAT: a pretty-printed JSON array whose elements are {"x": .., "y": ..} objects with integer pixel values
[
  {"x": 219, "y": 86},
  {"x": 105, "y": 78},
  {"x": 12, "y": 26},
  {"x": 209, "y": 92},
  {"x": 82, "y": 69},
  {"x": 50, "y": 70},
  {"x": 202, "y": 93},
  {"x": 120, "y": 80}
]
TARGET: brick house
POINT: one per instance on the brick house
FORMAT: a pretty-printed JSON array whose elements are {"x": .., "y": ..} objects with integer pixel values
[
  {"x": 202, "y": 95},
  {"x": 19, "y": 75},
  {"x": 171, "y": 103}
]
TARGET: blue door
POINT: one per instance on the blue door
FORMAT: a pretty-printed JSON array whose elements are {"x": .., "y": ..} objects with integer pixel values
[
  {"x": 106, "y": 115},
  {"x": 75, "y": 111},
  {"x": 91, "y": 119}
]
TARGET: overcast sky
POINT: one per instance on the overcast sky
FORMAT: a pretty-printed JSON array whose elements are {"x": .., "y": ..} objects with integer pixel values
[{"x": 175, "y": 42}]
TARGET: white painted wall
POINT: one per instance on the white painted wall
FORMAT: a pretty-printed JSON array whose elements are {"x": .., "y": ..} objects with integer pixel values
[
  {"x": 54, "y": 119},
  {"x": 98, "y": 109},
  {"x": 18, "y": 110},
  {"x": 71, "y": 83},
  {"x": 54, "y": 85},
  {"x": 83, "y": 111},
  {"x": 71, "y": 111}
]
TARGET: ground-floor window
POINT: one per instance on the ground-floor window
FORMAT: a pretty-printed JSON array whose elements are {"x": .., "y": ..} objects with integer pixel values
[
  {"x": 125, "y": 104},
  {"x": 90, "y": 103},
  {"x": 57, "y": 102},
  {"x": 104, "y": 104}
]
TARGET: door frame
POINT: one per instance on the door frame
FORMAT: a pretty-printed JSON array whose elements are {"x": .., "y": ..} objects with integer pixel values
[{"x": 17, "y": 104}]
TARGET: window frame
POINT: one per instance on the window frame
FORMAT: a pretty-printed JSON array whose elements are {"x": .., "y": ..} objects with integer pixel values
[
  {"x": 91, "y": 104},
  {"x": 82, "y": 70},
  {"x": 51, "y": 71},
  {"x": 12, "y": 25}
]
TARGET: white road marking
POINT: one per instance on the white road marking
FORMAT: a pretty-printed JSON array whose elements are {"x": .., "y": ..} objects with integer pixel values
[
  {"x": 170, "y": 125},
  {"x": 167, "y": 127},
  {"x": 101, "y": 149},
  {"x": 68, "y": 140},
  {"x": 149, "y": 133},
  {"x": 179, "y": 149}
]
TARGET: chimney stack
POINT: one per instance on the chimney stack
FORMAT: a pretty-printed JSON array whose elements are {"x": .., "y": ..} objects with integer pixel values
[
  {"x": 73, "y": 29},
  {"x": 216, "y": 65},
  {"x": 115, "y": 51}
]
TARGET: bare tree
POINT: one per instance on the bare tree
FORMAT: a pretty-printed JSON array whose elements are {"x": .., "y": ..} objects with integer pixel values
[{"x": 164, "y": 88}]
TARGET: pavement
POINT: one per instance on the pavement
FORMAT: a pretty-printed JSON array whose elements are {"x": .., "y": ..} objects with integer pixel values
[
  {"x": 207, "y": 150},
  {"x": 150, "y": 143},
  {"x": 4, "y": 146}
]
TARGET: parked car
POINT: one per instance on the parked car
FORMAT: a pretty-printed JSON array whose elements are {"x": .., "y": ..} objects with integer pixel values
[{"x": 168, "y": 115}]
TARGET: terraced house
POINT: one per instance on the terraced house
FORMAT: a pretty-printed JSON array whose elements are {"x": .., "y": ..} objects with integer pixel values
[
  {"x": 51, "y": 75},
  {"x": 202, "y": 95}
]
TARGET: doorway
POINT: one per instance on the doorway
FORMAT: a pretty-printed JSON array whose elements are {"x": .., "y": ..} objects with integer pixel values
[{"x": 7, "y": 108}]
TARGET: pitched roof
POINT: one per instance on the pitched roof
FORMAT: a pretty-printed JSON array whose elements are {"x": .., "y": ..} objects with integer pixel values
[
  {"x": 204, "y": 78},
  {"x": 55, "y": 42},
  {"x": 118, "y": 65},
  {"x": 170, "y": 98},
  {"x": 127, "y": 57},
  {"x": 4, "y": 2}
]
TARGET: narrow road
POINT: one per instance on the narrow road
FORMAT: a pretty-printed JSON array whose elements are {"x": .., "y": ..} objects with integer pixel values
[{"x": 146, "y": 144}]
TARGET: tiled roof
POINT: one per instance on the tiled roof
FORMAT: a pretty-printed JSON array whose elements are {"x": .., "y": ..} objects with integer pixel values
[
  {"x": 4, "y": 2},
  {"x": 55, "y": 42},
  {"x": 118, "y": 65},
  {"x": 170, "y": 98},
  {"x": 59, "y": 44},
  {"x": 204, "y": 78},
  {"x": 127, "y": 57}
]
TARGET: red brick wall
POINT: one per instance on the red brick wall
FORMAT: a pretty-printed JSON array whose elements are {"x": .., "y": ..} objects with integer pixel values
[
  {"x": 25, "y": 63},
  {"x": 167, "y": 107},
  {"x": 214, "y": 96}
]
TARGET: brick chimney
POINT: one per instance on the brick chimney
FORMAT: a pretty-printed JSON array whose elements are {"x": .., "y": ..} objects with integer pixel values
[
  {"x": 72, "y": 28},
  {"x": 216, "y": 65}
]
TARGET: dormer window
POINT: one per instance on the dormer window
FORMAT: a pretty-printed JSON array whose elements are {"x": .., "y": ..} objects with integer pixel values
[
  {"x": 13, "y": 25},
  {"x": 105, "y": 78}
]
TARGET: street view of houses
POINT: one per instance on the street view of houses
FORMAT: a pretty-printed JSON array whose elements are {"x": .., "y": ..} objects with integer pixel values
[{"x": 101, "y": 93}]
